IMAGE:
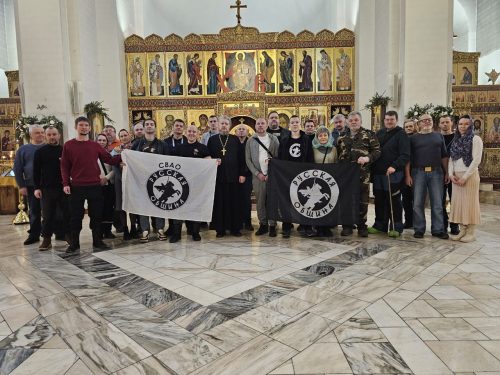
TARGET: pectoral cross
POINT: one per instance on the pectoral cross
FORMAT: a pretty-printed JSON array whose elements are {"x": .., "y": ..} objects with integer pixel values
[
  {"x": 238, "y": 6},
  {"x": 223, "y": 152}
]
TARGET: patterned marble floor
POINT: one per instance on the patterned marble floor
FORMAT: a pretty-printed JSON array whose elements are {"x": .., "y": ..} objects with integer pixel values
[{"x": 253, "y": 306}]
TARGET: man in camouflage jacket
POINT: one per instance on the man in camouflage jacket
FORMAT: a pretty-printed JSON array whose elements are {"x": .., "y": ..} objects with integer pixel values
[{"x": 360, "y": 146}]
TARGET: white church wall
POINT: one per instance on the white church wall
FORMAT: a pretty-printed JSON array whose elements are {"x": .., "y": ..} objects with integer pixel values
[
  {"x": 427, "y": 54},
  {"x": 4, "y": 87},
  {"x": 164, "y": 17},
  {"x": 42, "y": 56},
  {"x": 111, "y": 67}
]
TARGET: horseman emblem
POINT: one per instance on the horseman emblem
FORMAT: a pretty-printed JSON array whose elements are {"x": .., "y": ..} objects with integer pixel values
[
  {"x": 314, "y": 193},
  {"x": 168, "y": 189}
]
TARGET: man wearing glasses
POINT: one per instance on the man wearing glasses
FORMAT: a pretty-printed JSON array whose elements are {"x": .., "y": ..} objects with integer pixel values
[{"x": 427, "y": 172}]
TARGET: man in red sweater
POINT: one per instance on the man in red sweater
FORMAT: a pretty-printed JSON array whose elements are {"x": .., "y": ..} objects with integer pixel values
[{"x": 81, "y": 181}]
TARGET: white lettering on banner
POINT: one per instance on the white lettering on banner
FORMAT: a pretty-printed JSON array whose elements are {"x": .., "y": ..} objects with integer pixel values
[
  {"x": 314, "y": 193},
  {"x": 153, "y": 185}
]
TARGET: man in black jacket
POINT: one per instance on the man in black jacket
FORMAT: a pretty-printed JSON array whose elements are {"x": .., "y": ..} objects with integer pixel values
[
  {"x": 48, "y": 186},
  {"x": 389, "y": 168},
  {"x": 295, "y": 146},
  {"x": 151, "y": 144}
]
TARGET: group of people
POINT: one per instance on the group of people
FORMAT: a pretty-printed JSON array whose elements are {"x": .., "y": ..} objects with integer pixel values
[{"x": 403, "y": 163}]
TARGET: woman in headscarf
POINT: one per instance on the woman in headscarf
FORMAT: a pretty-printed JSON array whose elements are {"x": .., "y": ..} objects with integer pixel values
[
  {"x": 465, "y": 156},
  {"x": 324, "y": 152}
]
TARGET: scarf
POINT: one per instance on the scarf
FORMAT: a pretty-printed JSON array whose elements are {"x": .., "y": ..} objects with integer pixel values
[
  {"x": 323, "y": 148},
  {"x": 461, "y": 146}
]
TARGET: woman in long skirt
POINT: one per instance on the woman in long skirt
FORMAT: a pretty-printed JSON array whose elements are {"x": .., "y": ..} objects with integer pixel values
[{"x": 465, "y": 156}]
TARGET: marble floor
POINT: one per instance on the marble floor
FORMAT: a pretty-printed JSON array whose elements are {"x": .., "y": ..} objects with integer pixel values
[{"x": 253, "y": 305}]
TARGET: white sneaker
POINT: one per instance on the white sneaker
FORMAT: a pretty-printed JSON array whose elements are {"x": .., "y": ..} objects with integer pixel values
[
  {"x": 144, "y": 237},
  {"x": 161, "y": 235}
]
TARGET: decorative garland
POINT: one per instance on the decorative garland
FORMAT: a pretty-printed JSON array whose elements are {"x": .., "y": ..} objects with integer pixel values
[
  {"x": 441, "y": 111},
  {"x": 416, "y": 110},
  {"x": 378, "y": 100},
  {"x": 24, "y": 123},
  {"x": 96, "y": 108}
]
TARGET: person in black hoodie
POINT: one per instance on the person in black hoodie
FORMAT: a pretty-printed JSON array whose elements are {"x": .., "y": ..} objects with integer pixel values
[
  {"x": 48, "y": 186},
  {"x": 295, "y": 146},
  {"x": 151, "y": 144},
  {"x": 395, "y": 148}
]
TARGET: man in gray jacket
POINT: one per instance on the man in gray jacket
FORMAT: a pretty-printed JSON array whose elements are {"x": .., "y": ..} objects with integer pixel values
[{"x": 261, "y": 147}]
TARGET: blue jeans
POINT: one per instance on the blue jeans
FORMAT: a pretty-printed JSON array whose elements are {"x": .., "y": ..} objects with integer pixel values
[
  {"x": 432, "y": 182},
  {"x": 159, "y": 223}
]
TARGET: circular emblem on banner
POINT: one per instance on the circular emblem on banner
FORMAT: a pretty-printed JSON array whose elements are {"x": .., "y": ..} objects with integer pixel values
[
  {"x": 314, "y": 193},
  {"x": 167, "y": 189}
]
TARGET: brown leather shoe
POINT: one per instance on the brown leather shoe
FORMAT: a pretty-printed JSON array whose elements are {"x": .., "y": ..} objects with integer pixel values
[{"x": 46, "y": 244}]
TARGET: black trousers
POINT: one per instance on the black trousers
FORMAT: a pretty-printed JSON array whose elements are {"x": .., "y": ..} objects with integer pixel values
[
  {"x": 447, "y": 191},
  {"x": 364, "y": 199},
  {"x": 407, "y": 198},
  {"x": 227, "y": 207},
  {"x": 383, "y": 209},
  {"x": 246, "y": 201},
  {"x": 95, "y": 200},
  {"x": 54, "y": 205},
  {"x": 35, "y": 213},
  {"x": 108, "y": 207}
]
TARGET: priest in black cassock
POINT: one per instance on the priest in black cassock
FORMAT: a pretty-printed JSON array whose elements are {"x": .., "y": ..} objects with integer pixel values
[{"x": 230, "y": 175}]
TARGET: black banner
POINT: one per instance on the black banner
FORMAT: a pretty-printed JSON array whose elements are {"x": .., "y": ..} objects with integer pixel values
[{"x": 313, "y": 194}]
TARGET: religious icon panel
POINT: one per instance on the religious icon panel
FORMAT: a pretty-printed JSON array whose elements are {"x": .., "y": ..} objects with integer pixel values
[
  {"x": 213, "y": 72},
  {"x": 493, "y": 96},
  {"x": 165, "y": 121},
  {"x": 482, "y": 97},
  {"x": 267, "y": 71},
  {"x": 317, "y": 114},
  {"x": 240, "y": 70},
  {"x": 175, "y": 72},
  {"x": 194, "y": 73},
  {"x": 286, "y": 78},
  {"x": 8, "y": 139},
  {"x": 305, "y": 69},
  {"x": 324, "y": 70},
  {"x": 492, "y": 130},
  {"x": 156, "y": 74},
  {"x": 136, "y": 71},
  {"x": 466, "y": 74},
  {"x": 199, "y": 117},
  {"x": 344, "y": 69}
]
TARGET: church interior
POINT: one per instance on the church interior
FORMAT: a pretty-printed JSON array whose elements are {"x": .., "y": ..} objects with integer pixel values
[{"x": 251, "y": 304}]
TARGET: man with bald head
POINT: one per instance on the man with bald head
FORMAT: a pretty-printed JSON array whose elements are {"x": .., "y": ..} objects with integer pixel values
[{"x": 260, "y": 148}]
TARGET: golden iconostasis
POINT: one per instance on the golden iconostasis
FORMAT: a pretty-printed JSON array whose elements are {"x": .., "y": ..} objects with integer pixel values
[{"x": 311, "y": 75}]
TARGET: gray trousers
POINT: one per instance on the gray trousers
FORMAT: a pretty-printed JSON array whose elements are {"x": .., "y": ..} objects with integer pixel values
[{"x": 259, "y": 189}]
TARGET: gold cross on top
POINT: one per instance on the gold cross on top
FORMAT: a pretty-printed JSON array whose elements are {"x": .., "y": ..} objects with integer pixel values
[{"x": 238, "y": 6}]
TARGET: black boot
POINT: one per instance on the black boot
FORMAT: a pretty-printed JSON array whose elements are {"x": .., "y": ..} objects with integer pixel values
[
  {"x": 195, "y": 231},
  {"x": 126, "y": 234},
  {"x": 97, "y": 240},
  {"x": 74, "y": 242},
  {"x": 176, "y": 233}
]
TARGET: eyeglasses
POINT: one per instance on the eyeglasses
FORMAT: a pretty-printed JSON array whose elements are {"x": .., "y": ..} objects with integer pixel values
[{"x": 425, "y": 120}]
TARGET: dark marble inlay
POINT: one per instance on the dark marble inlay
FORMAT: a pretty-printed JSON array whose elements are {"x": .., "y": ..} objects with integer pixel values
[
  {"x": 233, "y": 306},
  {"x": 32, "y": 335},
  {"x": 176, "y": 308},
  {"x": 193, "y": 316},
  {"x": 157, "y": 296},
  {"x": 12, "y": 358},
  {"x": 201, "y": 320}
]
